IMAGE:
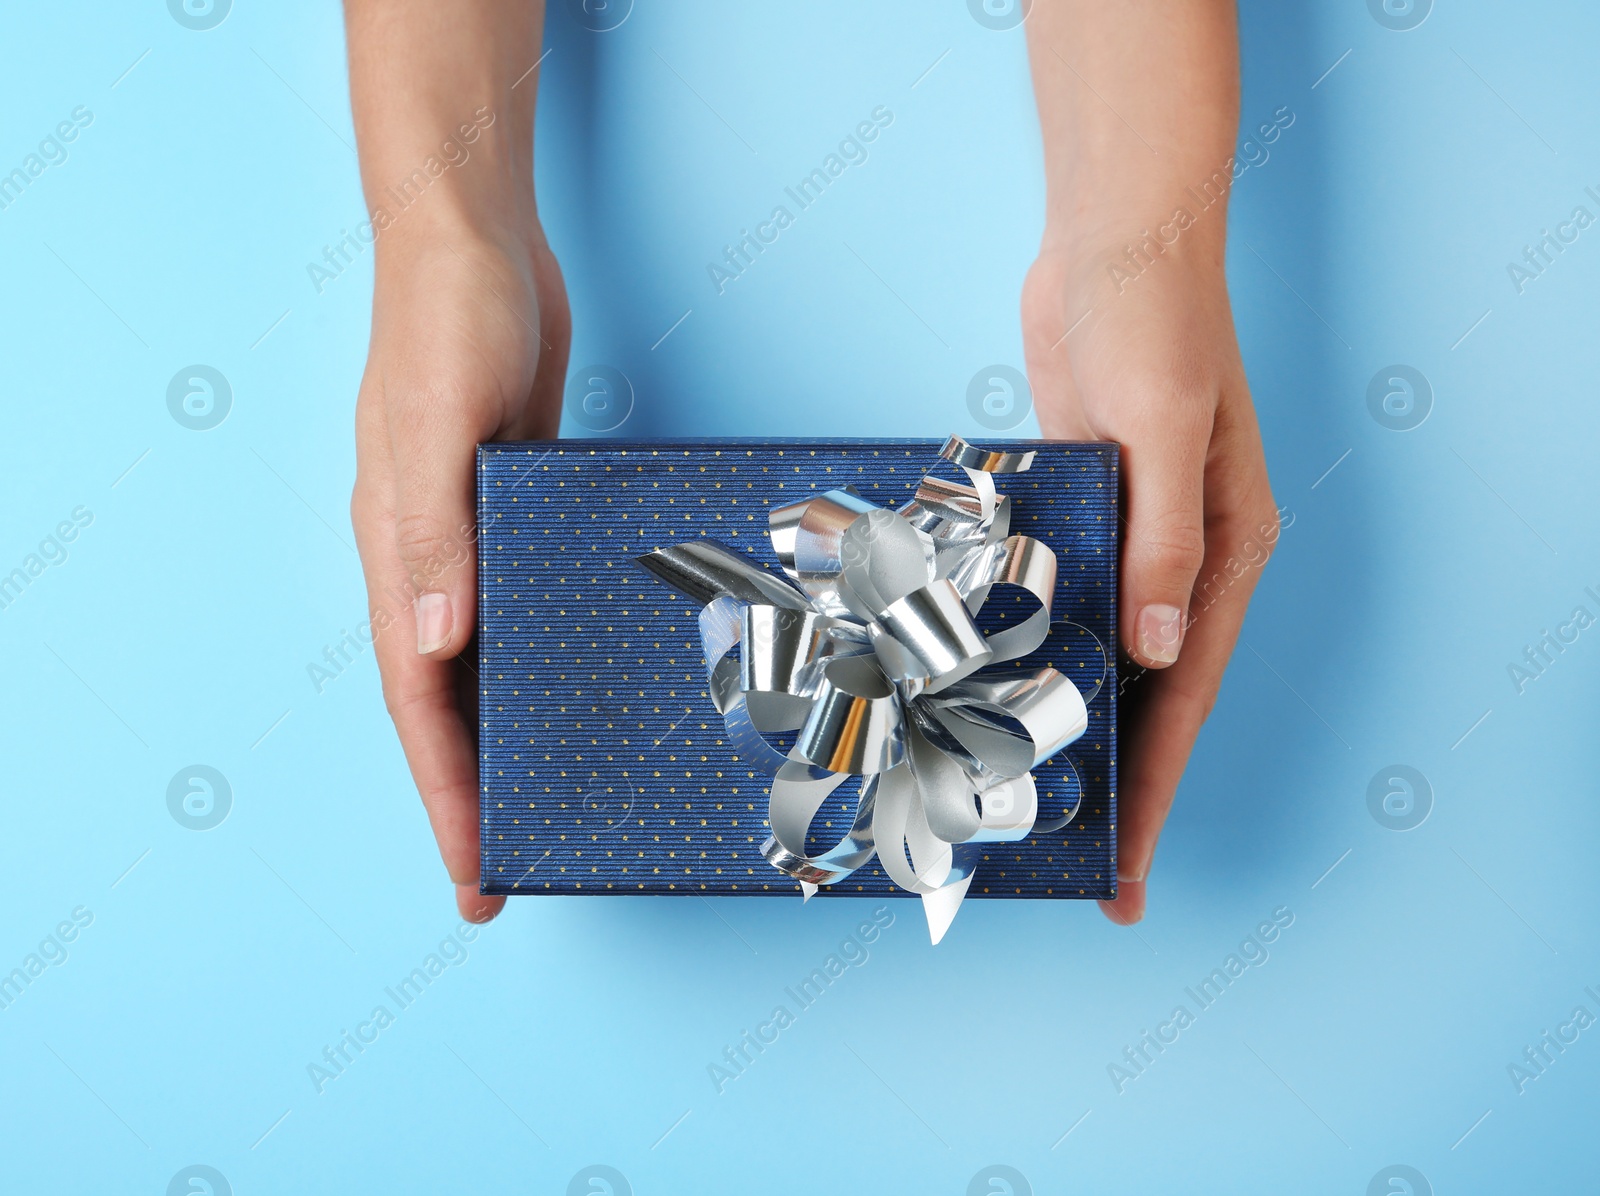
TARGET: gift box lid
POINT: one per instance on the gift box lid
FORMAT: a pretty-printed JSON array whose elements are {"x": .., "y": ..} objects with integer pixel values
[{"x": 604, "y": 765}]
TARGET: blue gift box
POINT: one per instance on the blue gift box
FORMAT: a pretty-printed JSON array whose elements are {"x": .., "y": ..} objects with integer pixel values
[{"x": 604, "y": 765}]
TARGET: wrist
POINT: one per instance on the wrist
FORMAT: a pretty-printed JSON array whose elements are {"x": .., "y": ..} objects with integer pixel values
[
  {"x": 468, "y": 177},
  {"x": 444, "y": 222},
  {"x": 1101, "y": 253},
  {"x": 1116, "y": 198}
]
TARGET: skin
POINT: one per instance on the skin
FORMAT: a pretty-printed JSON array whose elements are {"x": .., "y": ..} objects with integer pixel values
[
  {"x": 471, "y": 328},
  {"x": 1154, "y": 365}
]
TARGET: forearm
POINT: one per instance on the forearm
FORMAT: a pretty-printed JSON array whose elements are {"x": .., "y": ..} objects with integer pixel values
[
  {"x": 1138, "y": 101},
  {"x": 443, "y": 99}
]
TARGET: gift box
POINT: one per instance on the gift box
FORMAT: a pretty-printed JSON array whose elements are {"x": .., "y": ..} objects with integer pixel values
[{"x": 748, "y": 667}]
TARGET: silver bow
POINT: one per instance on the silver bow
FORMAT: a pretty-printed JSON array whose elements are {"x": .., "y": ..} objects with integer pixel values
[{"x": 877, "y": 665}]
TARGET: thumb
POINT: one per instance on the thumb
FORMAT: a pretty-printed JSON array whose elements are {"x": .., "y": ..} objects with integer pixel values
[
  {"x": 1164, "y": 543},
  {"x": 435, "y": 528}
]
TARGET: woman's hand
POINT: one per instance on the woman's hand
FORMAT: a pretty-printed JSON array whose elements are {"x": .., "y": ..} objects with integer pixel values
[
  {"x": 469, "y": 343},
  {"x": 1129, "y": 337},
  {"x": 470, "y": 329},
  {"x": 1156, "y": 368}
]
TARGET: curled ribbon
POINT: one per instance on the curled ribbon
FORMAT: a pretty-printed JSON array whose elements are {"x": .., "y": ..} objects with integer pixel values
[{"x": 877, "y": 665}]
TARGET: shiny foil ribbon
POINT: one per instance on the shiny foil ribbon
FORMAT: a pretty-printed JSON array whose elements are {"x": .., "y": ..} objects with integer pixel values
[{"x": 871, "y": 654}]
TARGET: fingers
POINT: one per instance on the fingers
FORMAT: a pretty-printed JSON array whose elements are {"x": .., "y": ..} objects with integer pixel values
[
  {"x": 1163, "y": 536},
  {"x": 422, "y": 698},
  {"x": 1157, "y": 749},
  {"x": 420, "y": 692},
  {"x": 1240, "y": 531}
]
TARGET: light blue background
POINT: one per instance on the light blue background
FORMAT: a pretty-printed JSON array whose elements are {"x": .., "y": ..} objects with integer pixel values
[{"x": 219, "y": 564}]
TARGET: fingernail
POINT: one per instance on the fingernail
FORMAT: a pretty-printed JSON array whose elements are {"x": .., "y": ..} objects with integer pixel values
[
  {"x": 477, "y": 907},
  {"x": 1131, "y": 871},
  {"x": 1160, "y": 629},
  {"x": 1128, "y": 908},
  {"x": 433, "y": 621}
]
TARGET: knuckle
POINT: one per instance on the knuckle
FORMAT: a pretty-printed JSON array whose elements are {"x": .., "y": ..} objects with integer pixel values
[
  {"x": 393, "y": 702},
  {"x": 362, "y": 507},
  {"x": 403, "y": 701},
  {"x": 1241, "y": 543},
  {"x": 1250, "y": 533},
  {"x": 370, "y": 515},
  {"x": 419, "y": 538},
  {"x": 1177, "y": 546},
  {"x": 395, "y": 699},
  {"x": 1265, "y": 536},
  {"x": 429, "y": 548}
]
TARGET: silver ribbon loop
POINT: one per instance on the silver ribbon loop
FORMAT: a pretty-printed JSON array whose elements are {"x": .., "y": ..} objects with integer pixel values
[
  {"x": 877, "y": 665},
  {"x": 933, "y": 626},
  {"x": 856, "y": 725},
  {"x": 781, "y": 649},
  {"x": 970, "y": 456},
  {"x": 796, "y": 798}
]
